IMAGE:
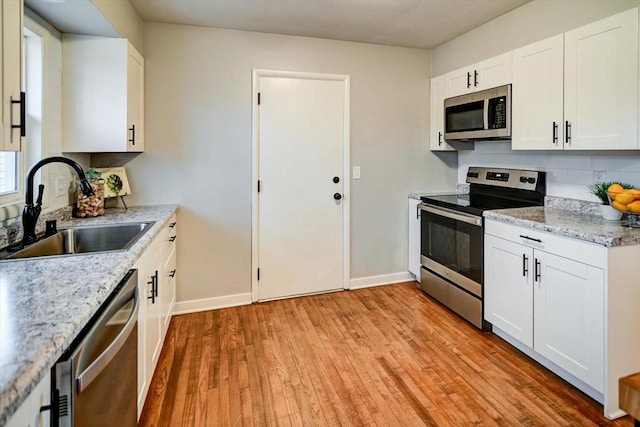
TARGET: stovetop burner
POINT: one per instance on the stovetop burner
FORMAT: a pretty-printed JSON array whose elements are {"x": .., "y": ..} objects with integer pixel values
[{"x": 493, "y": 188}]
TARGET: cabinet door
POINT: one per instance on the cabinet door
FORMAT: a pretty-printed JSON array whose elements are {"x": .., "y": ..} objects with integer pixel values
[
  {"x": 569, "y": 316},
  {"x": 11, "y": 78},
  {"x": 537, "y": 96},
  {"x": 169, "y": 271},
  {"x": 414, "y": 238},
  {"x": 493, "y": 72},
  {"x": 142, "y": 340},
  {"x": 153, "y": 320},
  {"x": 458, "y": 82},
  {"x": 28, "y": 413},
  {"x": 135, "y": 100},
  {"x": 436, "y": 122},
  {"x": 601, "y": 84},
  {"x": 508, "y": 292}
]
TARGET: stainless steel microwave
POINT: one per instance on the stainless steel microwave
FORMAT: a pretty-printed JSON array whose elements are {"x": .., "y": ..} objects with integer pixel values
[{"x": 480, "y": 115}]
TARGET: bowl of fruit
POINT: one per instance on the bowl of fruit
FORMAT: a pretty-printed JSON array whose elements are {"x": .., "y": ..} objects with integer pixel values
[{"x": 626, "y": 200}]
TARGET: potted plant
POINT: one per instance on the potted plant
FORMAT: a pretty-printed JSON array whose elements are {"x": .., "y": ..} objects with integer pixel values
[{"x": 600, "y": 191}]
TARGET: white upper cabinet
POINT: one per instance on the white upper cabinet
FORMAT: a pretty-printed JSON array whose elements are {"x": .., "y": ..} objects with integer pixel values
[
  {"x": 12, "y": 107},
  {"x": 579, "y": 90},
  {"x": 103, "y": 95},
  {"x": 601, "y": 84},
  {"x": 436, "y": 138},
  {"x": 537, "y": 96},
  {"x": 493, "y": 72},
  {"x": 135, "y": 100}
]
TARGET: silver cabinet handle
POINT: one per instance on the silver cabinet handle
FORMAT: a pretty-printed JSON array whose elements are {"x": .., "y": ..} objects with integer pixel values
[{"x": 92, "y": 371}]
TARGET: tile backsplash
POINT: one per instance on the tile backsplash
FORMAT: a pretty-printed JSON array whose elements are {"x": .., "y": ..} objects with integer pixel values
[{"x": 568, "y": 173}]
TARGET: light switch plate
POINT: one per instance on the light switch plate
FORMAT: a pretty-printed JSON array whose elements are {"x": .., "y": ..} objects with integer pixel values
[
  {"x": 356, "y": 172},
  {"x": 61, "y": 186},
  {"x": 599, "y": 176}
]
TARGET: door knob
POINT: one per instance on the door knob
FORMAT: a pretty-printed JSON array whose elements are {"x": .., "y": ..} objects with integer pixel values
[
  {"x": 336, "y": 180},
  {"x": 337, "y": 196}
]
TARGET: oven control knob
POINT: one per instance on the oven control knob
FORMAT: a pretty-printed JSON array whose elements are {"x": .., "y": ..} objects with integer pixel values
[
  {"x": 523, "y": 179},
  {"x": 531, "y": 180}
]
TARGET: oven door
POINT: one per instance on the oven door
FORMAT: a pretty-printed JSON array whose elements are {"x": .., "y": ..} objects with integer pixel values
[{"x": 451, "y": 246}]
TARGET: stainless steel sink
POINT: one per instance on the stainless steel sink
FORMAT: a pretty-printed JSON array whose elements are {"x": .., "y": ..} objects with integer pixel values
[{"x": 83, "y": 240}]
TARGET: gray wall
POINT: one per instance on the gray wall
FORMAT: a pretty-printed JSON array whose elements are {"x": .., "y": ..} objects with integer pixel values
[
  {"x": 569, "y": 173},
  {"x": 198, "y": 145}
]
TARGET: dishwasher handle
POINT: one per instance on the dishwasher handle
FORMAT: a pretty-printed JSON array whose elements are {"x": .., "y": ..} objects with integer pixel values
[{"x": 100, "y": 363}]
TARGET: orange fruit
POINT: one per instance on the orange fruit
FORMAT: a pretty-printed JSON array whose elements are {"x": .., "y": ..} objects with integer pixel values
[
  {"x": 615, "y": 188},
  {"x": 619, "y": 206},
  {"x": 636, "y": 193},
  {"x": 624, "y": 197},
  {"x": 634, "y": 206}
]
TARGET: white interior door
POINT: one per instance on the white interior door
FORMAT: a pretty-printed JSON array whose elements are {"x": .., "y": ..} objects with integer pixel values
[{"x": 300, "y": 218}]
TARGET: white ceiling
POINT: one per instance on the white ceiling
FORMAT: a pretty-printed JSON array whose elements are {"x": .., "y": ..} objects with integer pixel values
[{"x": 410, "y": 23}]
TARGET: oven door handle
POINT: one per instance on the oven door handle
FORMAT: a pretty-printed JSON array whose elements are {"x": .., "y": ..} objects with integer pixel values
[
  {"x": 448, "y": 213},
  {"x": 92, "y": 371}
]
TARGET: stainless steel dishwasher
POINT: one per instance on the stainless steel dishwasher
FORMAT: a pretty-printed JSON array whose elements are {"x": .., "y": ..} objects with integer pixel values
[{"x": 95, "y": 381}]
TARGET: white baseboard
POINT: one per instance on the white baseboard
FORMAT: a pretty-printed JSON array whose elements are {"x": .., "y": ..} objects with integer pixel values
[
  {"x": 384, "y": 279},
  {"x": 194, "y": 306}
]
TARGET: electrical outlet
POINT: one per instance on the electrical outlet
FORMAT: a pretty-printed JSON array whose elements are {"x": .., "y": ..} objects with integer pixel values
[
  {"x": 599, "y": 176},
  {"x": 356, "y": 172},
  {"x": 62, "y": 184}
]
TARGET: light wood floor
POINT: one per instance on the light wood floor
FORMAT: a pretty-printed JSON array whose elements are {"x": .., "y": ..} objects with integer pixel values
[{"x": 387, "y": 356}]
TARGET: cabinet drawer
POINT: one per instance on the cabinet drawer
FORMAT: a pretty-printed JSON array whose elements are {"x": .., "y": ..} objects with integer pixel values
[{"x": 567, "y": 247}]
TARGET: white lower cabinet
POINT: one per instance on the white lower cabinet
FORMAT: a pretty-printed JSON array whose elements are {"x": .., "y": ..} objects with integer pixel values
[
  {"x": 28, "y": 414},
  {"x": 414, "y": 239},
  {"x": 509, "y": 297},
  {"x": 569, "y": 316},
  {"x": 567, "y": 303},
  {"x": 156, "y": 284}
]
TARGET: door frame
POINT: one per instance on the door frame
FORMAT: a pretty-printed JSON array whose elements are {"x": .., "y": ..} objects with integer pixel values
[{"x": 255, "y": 168}]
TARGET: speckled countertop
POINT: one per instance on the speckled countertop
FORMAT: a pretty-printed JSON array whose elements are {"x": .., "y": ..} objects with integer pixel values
[
  {"x": 571, "y": 224},
  {"x": 45, "y": 303}
]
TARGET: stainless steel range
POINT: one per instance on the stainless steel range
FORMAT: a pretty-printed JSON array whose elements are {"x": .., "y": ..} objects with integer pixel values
[{"x": 452, "y": 235}]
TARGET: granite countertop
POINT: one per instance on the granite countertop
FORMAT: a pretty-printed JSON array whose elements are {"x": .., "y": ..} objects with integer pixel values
[
  {"x": 570, "y": 224},
  {"x": 45, "y": 303}
]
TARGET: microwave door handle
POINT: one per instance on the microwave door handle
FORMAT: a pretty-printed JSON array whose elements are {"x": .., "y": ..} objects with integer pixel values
[
  {"x": 486, "y": 114},
  {"x": 92, "y": 371}
]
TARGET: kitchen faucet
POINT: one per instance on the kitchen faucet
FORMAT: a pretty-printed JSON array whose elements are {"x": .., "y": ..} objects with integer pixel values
[{"x": 31, "y": 212}]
